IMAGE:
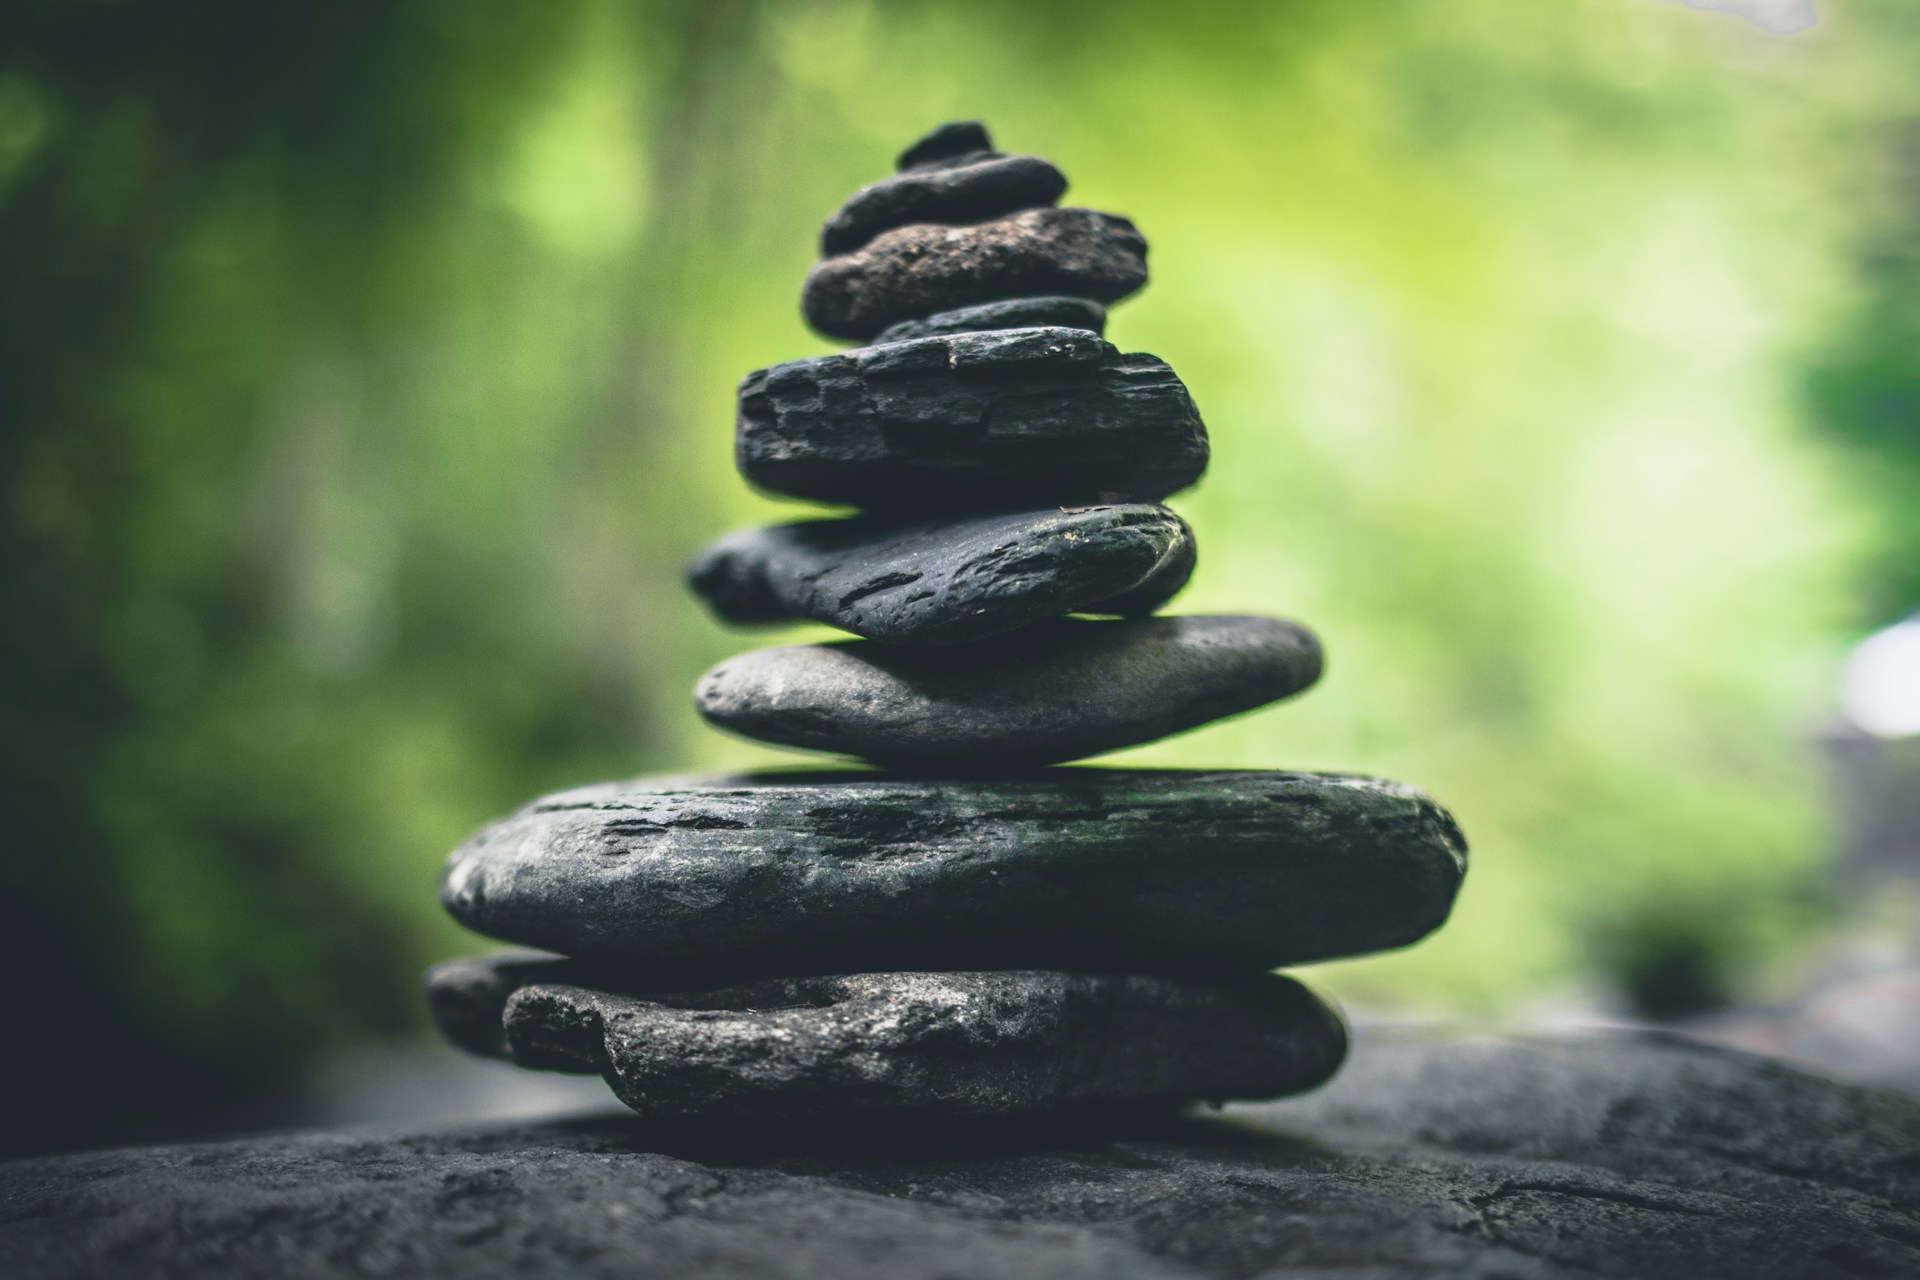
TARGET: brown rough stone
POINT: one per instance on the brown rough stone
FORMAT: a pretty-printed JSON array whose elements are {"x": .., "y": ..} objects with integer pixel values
[{"x": 916, "y": 270}]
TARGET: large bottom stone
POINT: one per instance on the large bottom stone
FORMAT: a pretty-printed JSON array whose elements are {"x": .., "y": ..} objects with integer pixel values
[
  {"x": 854, "y": 1045},
  {"x": 1056, "y": 691},
  {"x": 677, "y": 882},
  {"x": 1619, "y": 1157}
]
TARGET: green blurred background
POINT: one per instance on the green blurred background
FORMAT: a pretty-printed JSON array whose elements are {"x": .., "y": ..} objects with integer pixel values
[{"x": 366, "y": 374}]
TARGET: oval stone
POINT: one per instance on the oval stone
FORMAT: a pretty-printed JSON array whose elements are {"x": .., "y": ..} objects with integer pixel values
[
  {"x": 952, "y": 143},
  {"x": 949, "y": 580},
  {"x": 1055, "y": 691},
  {"x": 985, "y": 186},
  {"x": 922, "y": 268},
  {"x": 693, "y": 882}
]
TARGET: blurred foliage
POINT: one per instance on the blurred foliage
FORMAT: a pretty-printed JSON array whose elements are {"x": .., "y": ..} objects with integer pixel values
[{"x": 366, "y": 376}]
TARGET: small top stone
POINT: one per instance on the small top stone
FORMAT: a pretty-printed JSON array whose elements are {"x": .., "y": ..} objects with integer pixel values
[{"x": 949, "y": 142}]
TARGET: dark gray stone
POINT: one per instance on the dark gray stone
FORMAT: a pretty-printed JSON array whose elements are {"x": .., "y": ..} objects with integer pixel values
[
  {"x": 1616, "y": 1156},
  {"x": 947, "y": 144},
  {"x": 922, "y": 268},
  {"x": 948, "y": 580},
  {"x": 956, "y": 1043},
  {"x": 1014, "y": 313},
  {"x": 467, "y": 997},
  {"x": 689, "y": 882},
  {"x": 983, "y": 187},
  {"x": 1056, "y": 691},
  {"x": 973, "y": 421}
]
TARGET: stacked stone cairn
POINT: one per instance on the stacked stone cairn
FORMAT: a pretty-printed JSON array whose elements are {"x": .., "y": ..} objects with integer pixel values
[{"x": 964, "y": 931}]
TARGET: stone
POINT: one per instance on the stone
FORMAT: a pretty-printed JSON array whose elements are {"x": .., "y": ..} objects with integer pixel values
[
  {"x": 916, "y": 270},
  {"x": 1598, "y": 1157},
  {"x": 852, "y": 1045},
  {"x": 971, "y": 421},
  {"x": 1055, "y": 691},
  {"x": 949, "y": 143},
  {"x": 1014, "y": 313},
  {"x": 984, "y": 186},
  {"x": 948, "y": 580},
  {"x": 691, "y": 882},
  {"x": 467, "y": 997}
]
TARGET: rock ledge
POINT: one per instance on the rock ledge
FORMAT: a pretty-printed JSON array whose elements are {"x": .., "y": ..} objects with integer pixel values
[{"x": 1614, "y": 1156}]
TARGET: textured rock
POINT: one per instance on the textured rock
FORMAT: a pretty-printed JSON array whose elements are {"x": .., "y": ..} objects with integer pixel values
[
  {"x": 972, "y": 420},
  {"x": 948, "y": 144},
  {"x": 468, "y": 997},
  {"x": 1055, "y": 691},
  {"x": 1608, "y": 1156},
  {"x": 916, "y": 270},
  {"x": 949, "y": 580},
  {"x": 984, "y": 186},
  {"x": 1054, "y": 312},
  {"x": 959, "y": 1043},
  {"x": 702, "y": 881}
]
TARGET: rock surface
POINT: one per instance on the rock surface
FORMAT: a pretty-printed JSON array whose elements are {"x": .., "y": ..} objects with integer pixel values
[
  {"x": 850, "y": 1045},
  {"x": 697, "y": 881},
  {"x": 916, "y": 270},
  {"x": 982, "y": 187},
  {"x": 949, "y": 580},
  {"x": 1055, "y": 691},
  {"x": 1617, "y": 1157},
  {"x": 973, "y": 420},
  {"x": 1054, "y": 312}
]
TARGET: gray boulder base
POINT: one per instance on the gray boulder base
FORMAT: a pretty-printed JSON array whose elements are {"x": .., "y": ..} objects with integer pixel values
[
  {"x": 1015, "y": 313},
  {"x": 950, "y": 580},
  {"x": 984, "y": 186},
  {"x": 973, "y": 420},
  {"x": 1056, "y": 691},
  {"x": 941, "y": 1043},
  {"x": 696, "y": 882},
  {"x": 916, "y": 270},
  {"x": 1618, "y": 1157}
]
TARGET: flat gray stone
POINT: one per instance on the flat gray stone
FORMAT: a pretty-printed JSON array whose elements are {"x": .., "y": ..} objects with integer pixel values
[
  {"x": 1612, "y": 1156},
  {"x": 1053, "y": 312},
  {"x": 982, "y": 186},
  {"x": 922, "y": 268},
  {"x": 690, "y": 882},
  {"x": 971, "y": 421},
  {"x": 1056, "y": 691},
  {"x": 948, "y": 580},
  {"x": 846, "y": 1046}
]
